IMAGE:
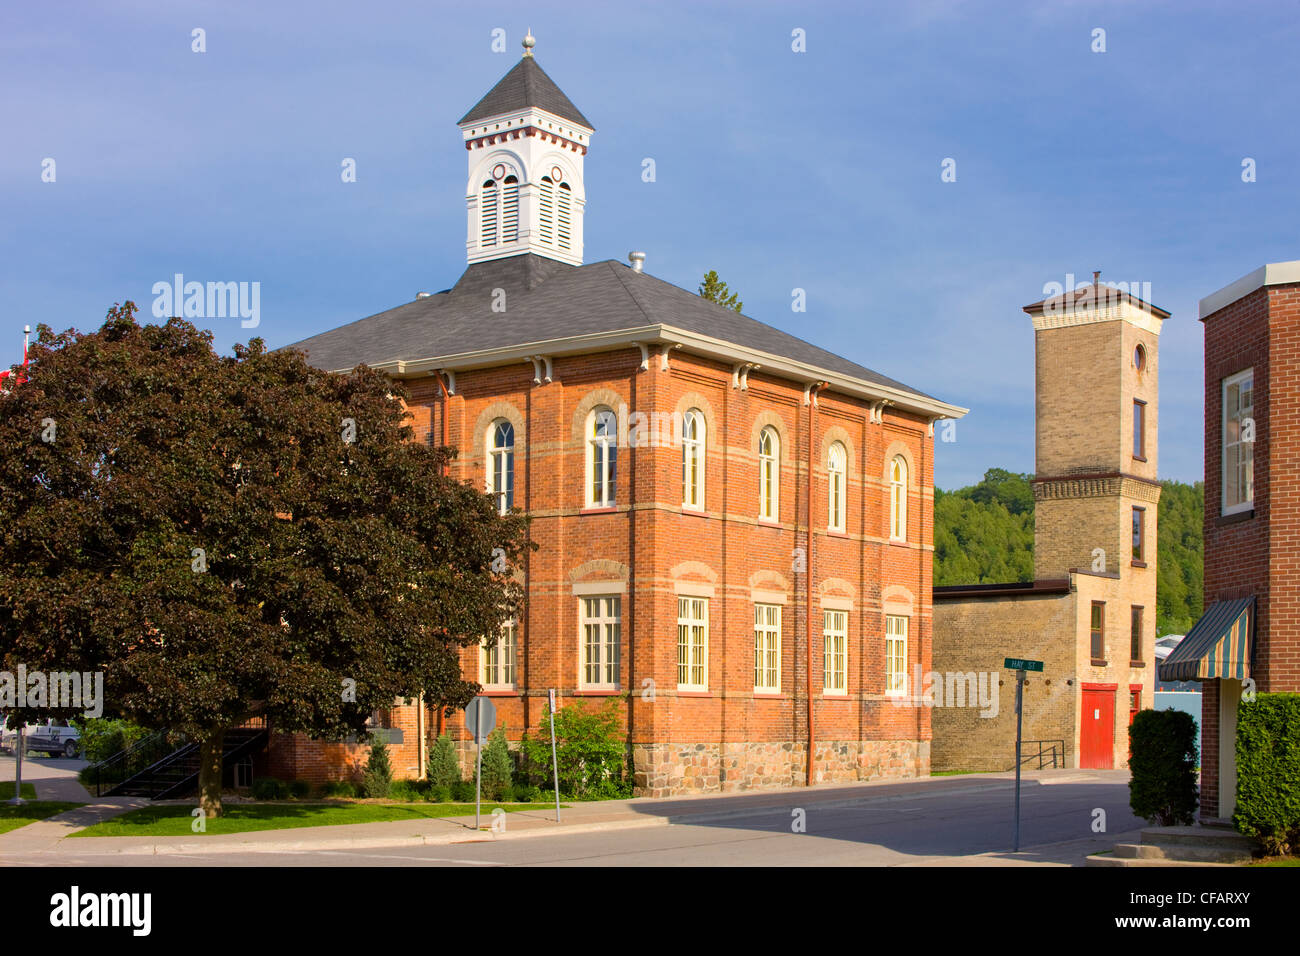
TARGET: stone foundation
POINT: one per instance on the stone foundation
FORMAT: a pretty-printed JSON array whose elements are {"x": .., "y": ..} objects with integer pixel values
[{"x": 672, "y": 769}]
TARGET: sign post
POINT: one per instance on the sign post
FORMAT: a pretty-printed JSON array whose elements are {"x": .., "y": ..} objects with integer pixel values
[
  {"x": 1019, "y": 665},
  {"x": 20, "y": 744},
  {"x": 480, "y": 718},
  {"x": 555, "y": 763}
]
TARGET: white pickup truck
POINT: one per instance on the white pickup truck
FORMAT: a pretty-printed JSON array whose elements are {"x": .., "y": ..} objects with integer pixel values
[{"x": 52, "y": 737}]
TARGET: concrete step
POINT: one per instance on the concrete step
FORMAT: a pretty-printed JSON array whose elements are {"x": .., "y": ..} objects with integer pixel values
[
  {"x": 1111, "y": 859},
  {"x": 1199, "y": 837},
  {"x": 1182, "y": 852}
]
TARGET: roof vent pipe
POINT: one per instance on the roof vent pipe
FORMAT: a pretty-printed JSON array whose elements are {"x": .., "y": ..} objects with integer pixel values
[
  {"x": 423, "y": 295},
  {"x": 638, "y": 261}
]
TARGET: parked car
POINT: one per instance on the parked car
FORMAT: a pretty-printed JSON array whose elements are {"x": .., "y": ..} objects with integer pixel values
[{"x": 52, "y": 737}]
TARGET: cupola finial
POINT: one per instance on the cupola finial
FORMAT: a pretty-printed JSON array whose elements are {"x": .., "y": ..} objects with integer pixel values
[{"x": 530, "y": 41}]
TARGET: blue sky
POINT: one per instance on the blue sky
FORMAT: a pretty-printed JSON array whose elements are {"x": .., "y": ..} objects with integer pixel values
[{"x": 818, "y": 170}]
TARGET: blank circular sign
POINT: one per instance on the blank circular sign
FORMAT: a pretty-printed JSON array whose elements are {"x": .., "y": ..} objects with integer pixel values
[{"x": 480, "y": 718}]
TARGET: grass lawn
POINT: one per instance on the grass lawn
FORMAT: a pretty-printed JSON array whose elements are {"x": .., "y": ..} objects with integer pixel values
[
  {"x": 1279, "y": 861},
  {"x": 11, "y": 818},
  {"x": 175, "y": 820},
  {"x": 7, "y": 790}
]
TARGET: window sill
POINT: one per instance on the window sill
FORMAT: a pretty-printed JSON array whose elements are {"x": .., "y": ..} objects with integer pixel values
[
  {"x": 1137, "y": 663},
  {"x": 697, "y": 512},
  {"x": 768, "y": 523},
  {"x": 1234, "y": 517},
  {"x": 898, "y": 542},
  {"x": 768, "y": 695},
  {"x": 1099, "y": 663},
  {"x": 596, "y": 692},
  {"x": 598, "y": 510},
  {"x": 1138, "y": 564},
  {"x": 500, "y": 692},
  {"x": 1141, "y": 458},
  {"x": 835, "y": 533},
  {"x": 693, "y": 693},
  {"x": 835, "y": 695}
]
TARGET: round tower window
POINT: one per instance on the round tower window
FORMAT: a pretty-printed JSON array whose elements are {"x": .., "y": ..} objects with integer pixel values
[{"x": 1139, "y": 358}]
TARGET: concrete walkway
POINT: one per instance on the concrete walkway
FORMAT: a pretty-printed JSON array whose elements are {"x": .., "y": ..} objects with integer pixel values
[{"x": 47, "y": 839}]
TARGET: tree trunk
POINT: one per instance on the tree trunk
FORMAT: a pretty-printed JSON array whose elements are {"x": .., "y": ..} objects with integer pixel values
[{"x": 210, "y": 748}]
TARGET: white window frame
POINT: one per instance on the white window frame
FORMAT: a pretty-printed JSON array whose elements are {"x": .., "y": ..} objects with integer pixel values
[
  {"x": 604, "y": 614},
  {"x": 601, "y": 489},
  {"x": 835, "y": 652},
  {"x": 836, "y": 486},
  {"x": 767, "y": 648},
  {"x": 898, "y": 498},
  {"x": 896, "y": 627},
  {"x": 1247, "y": 501},
  {"x": 694, "y": 438},
  {"x": 692, "y": 642},
  {"x": 501, "y": 461},
  {"x": 769, "y": 476},
  {"x": 500, "y": 658}
]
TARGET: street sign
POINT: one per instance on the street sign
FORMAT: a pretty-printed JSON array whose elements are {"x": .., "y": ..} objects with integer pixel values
[
  {"x": 480, "y": 718},
  {"x": 1020, "y": 664}
]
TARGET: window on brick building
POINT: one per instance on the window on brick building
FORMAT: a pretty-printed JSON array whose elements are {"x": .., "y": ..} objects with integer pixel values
[
  {"x": 836, "y": 467},
  {"x": 600, "y": 625},
  {"x": 898, "y": 499},
  {"x": 501, "y": 464},
  {"x": 692, "y": 643},
  {"x": 1139, "y": 535},
  {"x": 497, "y": 658},
  {"x": 1239, "y": 442},
  {"x": 835, "y": 652},
  {"x": 895, "y": 654},
  {"x": 769, "y": 474},
  {"x": 1135, "y": 634},
  {"x": 1097, "y": 630},
  {"x": 602, "y": 458},
  {"x": 767, "y": 648},
  {"x": 693, "y": 437},
  {"x": 1139, "y": 429}
]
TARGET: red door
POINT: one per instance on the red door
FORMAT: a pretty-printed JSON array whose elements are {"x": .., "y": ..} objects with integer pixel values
[{"x": 1097, "y": 729}]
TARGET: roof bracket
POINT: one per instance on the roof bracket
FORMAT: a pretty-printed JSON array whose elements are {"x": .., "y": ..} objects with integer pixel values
[
  {"x": 645, "y": 355},
  {"x": 547, "y": 360},
  {"x": 663, "y": 358},
  {"x": 451, "y": 380},
  {"x": 537, "y": 368}
]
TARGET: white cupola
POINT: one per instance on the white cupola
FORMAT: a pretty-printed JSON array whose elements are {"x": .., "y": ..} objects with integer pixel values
[{"x": 526, "y": 142}]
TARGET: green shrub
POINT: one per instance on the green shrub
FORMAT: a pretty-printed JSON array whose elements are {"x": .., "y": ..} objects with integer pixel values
[
  {"x": 438, "y": 794},
  {"x": 527, "y": 793},
  {"x": 407, "y": 791},
  {"x": 498, "y": 767},
  {"x": 590, "y": 749},
  {"x": 1268, "y": 771},
  {"x": 268, "y": 788},
  {"x": 1162, "y": 762},
  {"x": 378, "y": 776},
  {"x": 299, "y": 789},
  {"x": 102, "y": 737},
  {"x": 462, "y": 791},
  {"x": 443, "y": 767},
  {"x": 339, "y": 788}
]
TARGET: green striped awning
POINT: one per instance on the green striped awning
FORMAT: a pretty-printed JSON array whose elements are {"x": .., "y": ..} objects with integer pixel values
[{"x": 1218, "y": 646}]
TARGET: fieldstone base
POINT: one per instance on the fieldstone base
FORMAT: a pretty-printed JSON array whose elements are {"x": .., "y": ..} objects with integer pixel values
[{"x": 671, "y": 769}]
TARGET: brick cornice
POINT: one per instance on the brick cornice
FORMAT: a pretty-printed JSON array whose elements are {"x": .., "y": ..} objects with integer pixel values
[{"x": 1097, "y": 485}]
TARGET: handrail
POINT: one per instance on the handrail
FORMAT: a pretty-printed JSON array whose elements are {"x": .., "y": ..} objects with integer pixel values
[{"x": 1044, "y": 753}]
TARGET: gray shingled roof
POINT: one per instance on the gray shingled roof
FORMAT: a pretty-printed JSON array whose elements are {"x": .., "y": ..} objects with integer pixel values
[
  {"x": 547, "y": 300},
  {"x": 524, "y": 86}
]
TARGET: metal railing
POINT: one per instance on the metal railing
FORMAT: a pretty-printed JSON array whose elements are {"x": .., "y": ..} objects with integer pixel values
[
  {"x": 1053, "y": 750},
  {"x": 102, "y": 777}
]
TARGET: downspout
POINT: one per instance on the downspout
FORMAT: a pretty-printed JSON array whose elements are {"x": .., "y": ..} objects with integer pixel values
[
  {"x": 442, "y": 416},
  {"x": 631, "y": 583},
  {"x": 808, "y": 576},
  {"x": 528, "y": 548}
]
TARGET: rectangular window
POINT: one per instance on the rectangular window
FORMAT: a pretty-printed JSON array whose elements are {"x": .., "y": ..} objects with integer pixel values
[
  {"x": 767, "y": 648},
  {"x": 1098, "y": 630},
  {"x": 835, "y": 631},
  {"x": 1139, "y": 535},
  {"x": 895, "y": 654},
  {"x": 1139, "y": 429},
  {"x": 692, "y": 643},
  {"x": 1239, "y": 442},
  {"x": 498, "y": 659},
  {"x": 1135, "y": 635},
  {"x": 599, "y": 629}
]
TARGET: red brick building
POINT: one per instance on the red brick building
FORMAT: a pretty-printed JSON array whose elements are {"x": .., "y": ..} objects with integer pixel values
[
  {"x": 733, "y": 525},
  {"x": 1247, "y": 637}
]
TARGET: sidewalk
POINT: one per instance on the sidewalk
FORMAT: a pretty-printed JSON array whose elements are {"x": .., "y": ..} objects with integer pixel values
[{"x": 48, "y": 836}]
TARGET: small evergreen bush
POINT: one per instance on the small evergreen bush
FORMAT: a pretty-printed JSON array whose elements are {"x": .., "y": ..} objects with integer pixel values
[
  {"x": 268, "y": 788},
  {"x": 378, "y": 776},
  {"x": 498, "y": 767},
  {"x": 1162, "y": 763},
  {"x": 443, "y": 765},
  {"x": 1268, "y": 771}
]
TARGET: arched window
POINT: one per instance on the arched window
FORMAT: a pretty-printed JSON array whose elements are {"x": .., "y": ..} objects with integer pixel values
[
  {"x": 898, "y": 498},
  {"x": 693, "y": 435},
  {"x": 501, "y": 464},
  {"x": 563, "y": 215},
  {"x": 509, "y": 209},
  {"x": 769, "y": 474},
  {"x": 488, "y": 213},
  {"x": 602, "y": 458},
  {"x": 546, "y": 211},
  {"x": 836, "y": 462}
]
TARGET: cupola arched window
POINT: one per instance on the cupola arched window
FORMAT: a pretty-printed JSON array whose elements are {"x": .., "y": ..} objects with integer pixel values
[{"x": 499, "y": 211}]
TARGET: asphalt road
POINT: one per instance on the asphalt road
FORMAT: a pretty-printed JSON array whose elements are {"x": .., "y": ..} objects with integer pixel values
[{"x": 939, "y": 828}]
